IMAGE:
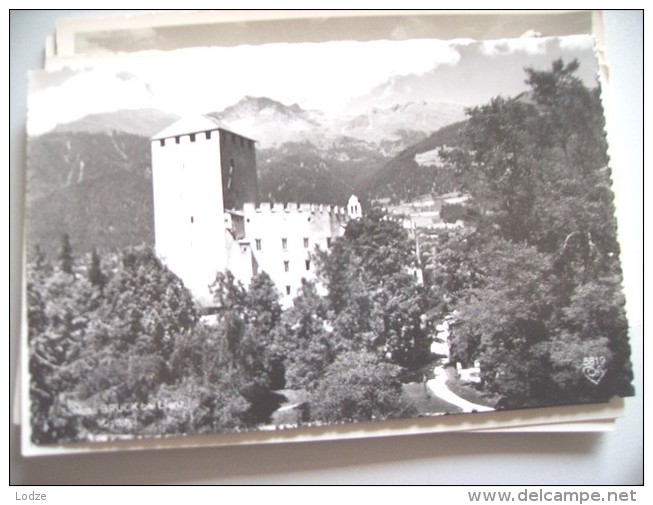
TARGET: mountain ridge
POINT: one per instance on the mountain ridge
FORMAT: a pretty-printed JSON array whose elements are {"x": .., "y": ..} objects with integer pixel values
[
  {"x": 143, "y": 122},
  {"x": 314, "y": 162},
  {"x": 273, "y": 123},
  {"x": 403, "y": 177}
]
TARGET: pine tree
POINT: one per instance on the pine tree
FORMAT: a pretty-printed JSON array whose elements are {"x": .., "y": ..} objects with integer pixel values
[
  {"x": 95, "y": 274},
  {"x": 39, "y": 260},
  {"x": 66, "y": 255}
]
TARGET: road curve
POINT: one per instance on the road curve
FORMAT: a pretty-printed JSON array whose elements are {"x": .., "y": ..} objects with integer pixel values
[{"x": 438, "y": 387}]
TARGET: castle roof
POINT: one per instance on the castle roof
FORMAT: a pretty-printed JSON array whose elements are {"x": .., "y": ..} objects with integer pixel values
[
  {"x": 186, "y": 125},
  {"x": 191, "y": 124}
]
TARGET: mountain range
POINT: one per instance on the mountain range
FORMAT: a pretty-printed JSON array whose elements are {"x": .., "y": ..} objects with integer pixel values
[
  {"x": 272, "y": 123},
  {"x": 102, "y": 161},
  {"x": 143, "y": 122}
]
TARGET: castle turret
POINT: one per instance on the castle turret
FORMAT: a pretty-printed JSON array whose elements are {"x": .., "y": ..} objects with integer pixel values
[{"x": 354, "y": 210}]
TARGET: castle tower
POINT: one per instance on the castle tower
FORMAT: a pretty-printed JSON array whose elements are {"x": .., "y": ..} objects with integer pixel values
[{"x": 198, "y": 171}]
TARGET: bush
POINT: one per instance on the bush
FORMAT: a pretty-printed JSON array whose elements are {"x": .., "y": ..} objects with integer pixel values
[{"x": 357, "y": 386}]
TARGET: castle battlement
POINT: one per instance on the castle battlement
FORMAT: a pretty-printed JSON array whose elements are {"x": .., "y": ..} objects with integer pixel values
[
  {"x": 196, "y": 128},
  {"x": 294, "y": 208}
]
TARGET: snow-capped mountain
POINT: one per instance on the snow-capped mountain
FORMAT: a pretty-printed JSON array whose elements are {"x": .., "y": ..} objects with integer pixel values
[
  {"x": 402, "y": 122},
  {"x": 389, "y": 130},
  {"x": 269, "y": 122}
]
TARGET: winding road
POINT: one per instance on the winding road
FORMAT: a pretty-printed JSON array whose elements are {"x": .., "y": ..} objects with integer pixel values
[{"x": 438, "y": 387}]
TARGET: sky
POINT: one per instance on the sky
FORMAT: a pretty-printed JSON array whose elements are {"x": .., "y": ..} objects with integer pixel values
[{"x": 335, "y": 77}]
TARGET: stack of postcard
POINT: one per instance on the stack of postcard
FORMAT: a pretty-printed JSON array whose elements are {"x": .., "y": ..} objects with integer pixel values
[{"x": 259, "y": 227}]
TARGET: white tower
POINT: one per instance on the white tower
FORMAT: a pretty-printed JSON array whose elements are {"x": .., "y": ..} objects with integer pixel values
[{"x": 188, "y": 202}]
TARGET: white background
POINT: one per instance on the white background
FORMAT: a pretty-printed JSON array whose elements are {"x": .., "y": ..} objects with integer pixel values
[{"x": 574, "y": 458}]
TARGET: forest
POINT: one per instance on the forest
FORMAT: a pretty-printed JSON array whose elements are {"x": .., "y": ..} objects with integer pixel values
[{"x": 532, "y": 283}]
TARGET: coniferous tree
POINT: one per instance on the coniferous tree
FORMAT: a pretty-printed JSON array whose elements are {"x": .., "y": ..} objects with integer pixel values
[
  {"x": 66, "y": 255},
  {"x": 145, "y": 313},
  {"x": 95, "y": 274},
  {"x": 40, "y": 261}
]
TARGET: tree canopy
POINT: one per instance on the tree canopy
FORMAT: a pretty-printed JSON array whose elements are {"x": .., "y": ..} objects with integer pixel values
[
  {"x": 544, "y": 240},
  {"x": 530, "y": 286}
]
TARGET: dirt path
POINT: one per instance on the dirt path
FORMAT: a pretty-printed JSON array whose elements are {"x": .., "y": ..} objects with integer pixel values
[{"x": 439, "y": 388}]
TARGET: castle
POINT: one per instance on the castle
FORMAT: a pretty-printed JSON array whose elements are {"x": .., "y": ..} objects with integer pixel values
[{"x": 208, "y": 218}]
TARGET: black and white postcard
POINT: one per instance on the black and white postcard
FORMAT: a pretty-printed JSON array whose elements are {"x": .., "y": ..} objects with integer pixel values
[{"x": 276, "y": 237}]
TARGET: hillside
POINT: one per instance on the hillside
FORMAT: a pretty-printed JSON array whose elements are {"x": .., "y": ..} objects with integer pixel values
[
  {"x": 61, "y": 159},
  {"x": 299, "y": 171},
  {"x": 304, "y": 155},
  {"x": 108, "y": 213},
  {"x": 94, "y": 186},
  {"x": 415, "y": 170}
]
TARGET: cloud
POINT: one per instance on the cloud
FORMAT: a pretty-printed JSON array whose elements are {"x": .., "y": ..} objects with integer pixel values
[
  {"x": 125, "y": 76},
  {"x": 526, "y": 45},
  {"x": 318, "y": 75},
  {"x": 326, "y": 76},
  {"x": 576, "y": 42},
  {"x": 83, "y": 93}
]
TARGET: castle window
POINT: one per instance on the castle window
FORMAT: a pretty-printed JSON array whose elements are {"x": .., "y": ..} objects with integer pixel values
[
  {"x": 308, "y": 264},
  {"x": 287, "y": 290},
  {"x": 162, "y": 142},
  {"x": 258, "y": 244},
  {"x": 231, "y": 171},
  {"x": 328, "y": 241},
  {"x": 208, "y": 135},
  {"x": 284, "y": 244},
  {"x": 286, "y": 266},
  {"x": 305, "y": 242},
  {"x": 192, "y": 219},
  {"x": 192, "y": 137},
  {"x": 176, "y": 140}
]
